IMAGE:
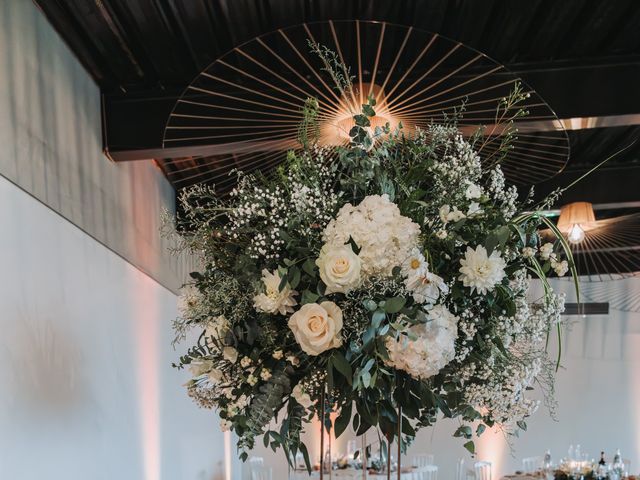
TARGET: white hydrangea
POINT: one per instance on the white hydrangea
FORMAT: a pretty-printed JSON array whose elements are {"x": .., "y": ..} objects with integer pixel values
[
  {"x": 433, "y": 348},
  {"x": 384, "y": 236}
]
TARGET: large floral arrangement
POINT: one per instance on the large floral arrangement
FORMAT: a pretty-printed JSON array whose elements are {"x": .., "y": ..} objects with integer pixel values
[{"x": 389, "y": 273}]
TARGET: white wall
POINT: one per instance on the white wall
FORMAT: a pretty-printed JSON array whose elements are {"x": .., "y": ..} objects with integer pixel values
[{"x": 86, "y": 385}]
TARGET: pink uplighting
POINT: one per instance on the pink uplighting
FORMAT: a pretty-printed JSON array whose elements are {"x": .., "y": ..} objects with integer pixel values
[{"x": 147, "y": 340}]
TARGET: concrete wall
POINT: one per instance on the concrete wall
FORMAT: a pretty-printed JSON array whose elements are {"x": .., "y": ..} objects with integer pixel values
[{"x": 50, "y": 132}]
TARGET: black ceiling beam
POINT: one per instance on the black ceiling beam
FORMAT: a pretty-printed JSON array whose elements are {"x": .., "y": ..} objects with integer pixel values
[
  {"x": 584, "y": 89},
  {"x": 617, "y": 184},
  {"x": 134, "y": 123}
]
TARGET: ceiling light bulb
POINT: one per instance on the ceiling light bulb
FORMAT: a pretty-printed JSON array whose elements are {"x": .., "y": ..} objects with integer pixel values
[{"x": 576, "y": 234}]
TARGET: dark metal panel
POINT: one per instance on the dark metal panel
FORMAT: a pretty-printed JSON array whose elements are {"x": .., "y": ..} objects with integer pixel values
[{"x": 586, "y": 308}]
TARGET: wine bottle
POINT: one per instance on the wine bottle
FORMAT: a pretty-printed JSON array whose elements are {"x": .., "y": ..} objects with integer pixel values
[
  {"x": 570, "y": 453},
  {"x": 617, "y": 458},
  {"x": 602, "y": 460}
]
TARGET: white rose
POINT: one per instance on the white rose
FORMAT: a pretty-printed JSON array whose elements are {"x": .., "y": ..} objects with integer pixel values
[
  {"x": 200, "y": 367},
  {"x": 230, "y": 354},
  {"x": 215, "y": 375},
  {"x": 528, "y": 252},
  {"x": 225, "y": 425},
  {"x": 339, "y": 268},
  {"x": 301, "y": 396},
  {"x": 317, "y": 327}
]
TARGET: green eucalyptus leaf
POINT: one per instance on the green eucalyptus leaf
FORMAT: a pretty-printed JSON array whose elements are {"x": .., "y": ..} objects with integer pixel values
[
  {"x": 377, "y": 318},
  {"x": 370, "y": 305},
  {"x": 308, "y": 297},
  {"x": 294, "y": 277},
  {"x": 471, "y": 447},
  {"x": 395, "y": 304},
  {"x": 309, "y": 267},
  {"x": 368, "y": 110},
  {"x": 342, "y": 422},
  {"x": 342, "y": 365},
  {"x": 305, "y": 455}
]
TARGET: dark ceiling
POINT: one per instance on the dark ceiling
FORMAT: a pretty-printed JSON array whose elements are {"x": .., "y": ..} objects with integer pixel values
[
  {"x": 581, "y": 56},
  {"x": 143, "y": 45}
]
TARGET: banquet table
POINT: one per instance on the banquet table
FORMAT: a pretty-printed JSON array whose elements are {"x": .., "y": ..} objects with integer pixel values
[
  {"x": 523, "y": 476},
  {"x": 353, "y": 474}
]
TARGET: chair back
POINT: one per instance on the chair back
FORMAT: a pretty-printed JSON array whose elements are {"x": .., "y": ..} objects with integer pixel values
[
  {"x": 422, "y": 460},
  {"x": 482, "y": 470},
  {"x": 261, "y": 473},
  {"x": 532, "y": 464},
  {"x": 426, "y": 472},
  {"x": 462, "y": 472}
]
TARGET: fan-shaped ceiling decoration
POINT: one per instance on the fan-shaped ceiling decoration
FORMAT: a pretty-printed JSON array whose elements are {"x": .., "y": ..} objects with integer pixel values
[
  {"x": 605, "y": 249},
  {"x": 245, "y": 108}
]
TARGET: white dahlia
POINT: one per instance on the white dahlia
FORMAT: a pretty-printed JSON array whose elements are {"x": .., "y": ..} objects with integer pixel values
[
  {"x": 382, "y": 234},
  {"x": 480, "y": 271},
  {"x": 273, "y": 300},
  {"x": 431, "y": 351}
]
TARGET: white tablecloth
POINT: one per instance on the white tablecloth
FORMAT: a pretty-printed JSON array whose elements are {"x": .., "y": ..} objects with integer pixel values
[{"x": 352, "y": 474}]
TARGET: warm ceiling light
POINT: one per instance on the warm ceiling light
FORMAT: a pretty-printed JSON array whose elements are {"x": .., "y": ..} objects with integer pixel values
[
  {"x": 336, "y": 129},
  {"x": 576, "y": 234},
  {"x": 575, "y": 219}
]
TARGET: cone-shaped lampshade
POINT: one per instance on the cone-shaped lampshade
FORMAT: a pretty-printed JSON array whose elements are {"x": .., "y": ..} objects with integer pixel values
[{"x": 577, "y": 213}]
